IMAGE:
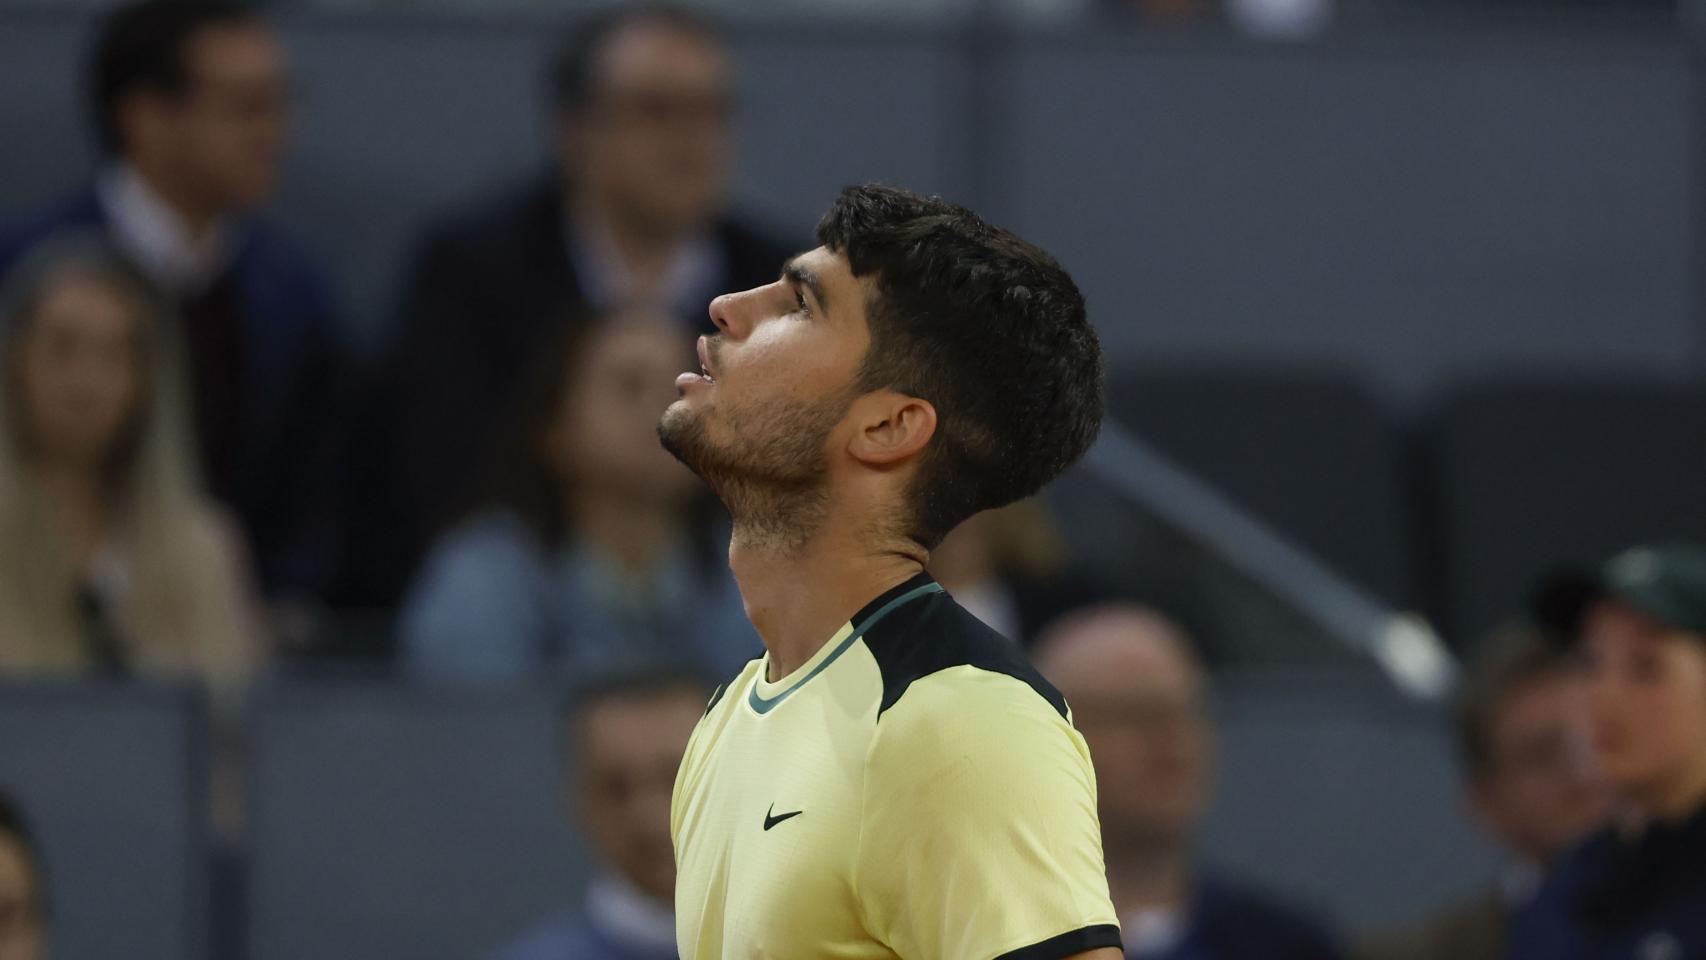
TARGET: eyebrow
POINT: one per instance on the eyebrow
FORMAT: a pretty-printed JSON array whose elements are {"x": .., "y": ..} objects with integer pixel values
[{"x": 804, "y": 277}]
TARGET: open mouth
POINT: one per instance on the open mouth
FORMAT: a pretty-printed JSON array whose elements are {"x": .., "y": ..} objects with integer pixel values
[{"x": 704, "y": 376}]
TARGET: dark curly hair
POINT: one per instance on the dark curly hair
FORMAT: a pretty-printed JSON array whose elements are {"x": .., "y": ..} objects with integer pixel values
[{"x": 987, "y": 328}]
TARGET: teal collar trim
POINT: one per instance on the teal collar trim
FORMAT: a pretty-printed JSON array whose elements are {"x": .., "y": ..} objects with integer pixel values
[{"x": 762, "y": 705}]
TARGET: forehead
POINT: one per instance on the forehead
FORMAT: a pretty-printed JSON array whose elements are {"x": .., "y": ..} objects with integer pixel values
[
  {"x": 1122, "y": 658},
  {"x": 234, "y": 39},
  {"x": 79, "y": 296},
  {"x": 647, "y": 52},
  {"x": 1613, "y": 621},
  {"x": 238, "y": 49},
  {"x": 620, "y": 725},
  {"x": 844, "y": 292}
]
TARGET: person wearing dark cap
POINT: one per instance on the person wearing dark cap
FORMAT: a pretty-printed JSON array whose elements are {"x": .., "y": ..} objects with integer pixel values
[
  {"x": 23, "y": 920},
  {"x": 1637, "y": 890}
]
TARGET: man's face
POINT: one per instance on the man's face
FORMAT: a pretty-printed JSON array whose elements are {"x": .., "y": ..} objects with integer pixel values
[
  {"x": 779, "y": 377},
  {"x": 223, "y": 135},
  {"x": 1646, "y": 697},
  {"x": 1541, "y": 791},
  {"x": 629, "y": 751},
  {"x": 22, "y": 936},
  {"x": 1138, "y": 702},
  {"x": 602, "y": 436},
  {"x": 654, "y": 137}
]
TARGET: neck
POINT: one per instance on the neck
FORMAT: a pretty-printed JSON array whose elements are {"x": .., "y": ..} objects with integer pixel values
[
  {"x": 645, "y": 246},
  {"x": 634, "y": 533},
  {"x": 1149, "y": 878},
  {"x": 798, "y": 593},
  {"x": 198, "y": 216}
]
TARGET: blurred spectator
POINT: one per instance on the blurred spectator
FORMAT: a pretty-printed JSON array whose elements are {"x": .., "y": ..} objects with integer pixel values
[
  {"x": 189, "y": 101},
  {"x": 1637, "y": 890},
  {"x": 111, "y": 559},
  {"x": 601, "y": 550},
  {"x": 23, "y": 902},
  {"x": 1529, "y": 780},
  {"x": 626, "y": 736},
  {"x": 1137, "y": 695},
  {"x": 633, "y": 213},
  {"x": 1009, "y": 568}
]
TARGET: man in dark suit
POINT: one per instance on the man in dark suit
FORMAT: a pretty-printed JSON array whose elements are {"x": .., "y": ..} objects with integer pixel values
[
  {"x": 189, "y": 101},
  {"x": 633, "y": 213}
]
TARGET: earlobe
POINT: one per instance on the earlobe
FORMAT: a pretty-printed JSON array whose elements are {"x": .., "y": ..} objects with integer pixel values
[{"x": 897, "y": 429}]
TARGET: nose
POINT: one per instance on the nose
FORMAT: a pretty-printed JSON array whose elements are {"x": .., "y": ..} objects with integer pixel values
[
  {"x": 720, "y": 312},
  {"x": 735, "y": 314}
]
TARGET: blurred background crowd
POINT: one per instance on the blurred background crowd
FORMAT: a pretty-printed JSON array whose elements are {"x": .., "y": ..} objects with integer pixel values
[{"x": 350, "y": 608}]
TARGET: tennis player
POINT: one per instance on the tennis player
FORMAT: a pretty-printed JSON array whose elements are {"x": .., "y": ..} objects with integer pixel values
[{"x": 891, "y": 778}]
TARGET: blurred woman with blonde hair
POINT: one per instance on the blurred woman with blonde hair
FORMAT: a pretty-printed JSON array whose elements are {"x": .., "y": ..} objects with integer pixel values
[{"x": 112, "y": 560}]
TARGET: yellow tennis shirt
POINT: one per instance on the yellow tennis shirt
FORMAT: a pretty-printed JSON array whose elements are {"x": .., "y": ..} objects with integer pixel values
[{"x": 915, "y": 790}]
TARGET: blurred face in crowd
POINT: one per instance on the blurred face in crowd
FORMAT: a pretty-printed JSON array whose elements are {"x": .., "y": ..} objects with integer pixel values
[
  {"x": 778, "y": 386},
  {"x": 22, "y": 936},
  {"x": 604, "y": 436},
  {"x": 1137, "y": 696},
  {"x": 653, "y": 141},
  {"x": 629, "y": 748},
  {"x": 1540, "y": 791},
  {"x": 1647, "y": 699},
  {"x": 217, "y": 142},
  {"x": 75, "y": 363}
]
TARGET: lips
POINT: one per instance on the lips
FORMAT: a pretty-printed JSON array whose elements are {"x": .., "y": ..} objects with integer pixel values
[
  {"x": 704, "y": 346},
  {"x": 704, "y": 377}
]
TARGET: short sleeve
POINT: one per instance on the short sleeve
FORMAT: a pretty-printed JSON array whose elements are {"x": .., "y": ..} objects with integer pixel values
[{"x": 980, "y": 837}]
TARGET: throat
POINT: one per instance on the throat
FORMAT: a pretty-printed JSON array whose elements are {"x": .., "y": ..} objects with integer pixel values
[{"x": 798, "y": 598}]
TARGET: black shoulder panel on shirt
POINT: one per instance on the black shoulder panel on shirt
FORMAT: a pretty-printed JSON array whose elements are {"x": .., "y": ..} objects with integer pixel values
[
  {"x": 716, "y": 695},
  {"x": 934, "y": 633}
]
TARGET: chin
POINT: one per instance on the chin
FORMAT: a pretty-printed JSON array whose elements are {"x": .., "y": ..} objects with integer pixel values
[{"x": 682, "y": 433}]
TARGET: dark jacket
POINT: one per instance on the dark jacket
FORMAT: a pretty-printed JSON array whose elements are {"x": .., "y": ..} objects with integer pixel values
[
  {"x": 283, "y": 474},
  {"x": 1231, "y": 922},
  {"x": 1617, "y": 898},
  {"x": 1470, "y": 930},
  {"x": 481, "y": 293}
]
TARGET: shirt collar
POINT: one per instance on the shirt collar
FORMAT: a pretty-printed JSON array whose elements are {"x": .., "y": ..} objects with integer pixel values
[
  {"x": 692, "y": 277},
  {"x": 147, "y": 228}
]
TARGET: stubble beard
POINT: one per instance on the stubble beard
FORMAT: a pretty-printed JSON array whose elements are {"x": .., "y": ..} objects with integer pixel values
[{"x": 772, "y": 476}]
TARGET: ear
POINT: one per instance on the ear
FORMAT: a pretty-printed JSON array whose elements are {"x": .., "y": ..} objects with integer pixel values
[{"x": 890, "y": 428}]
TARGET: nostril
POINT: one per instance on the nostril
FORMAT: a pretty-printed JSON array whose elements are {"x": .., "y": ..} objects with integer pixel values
[{"x": 719, "y": 312}]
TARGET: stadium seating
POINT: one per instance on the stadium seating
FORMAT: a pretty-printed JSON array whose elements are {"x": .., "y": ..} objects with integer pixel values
[
  {"x": 114, "y": 780},
  {"x": 1528, "y": 474},
  {"x": 396, "y": 822},
  {"x": 1336, "y": 791},
  {"x": 1308, "y": 451}
]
